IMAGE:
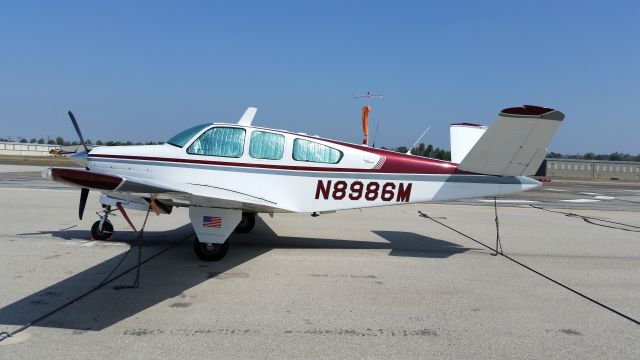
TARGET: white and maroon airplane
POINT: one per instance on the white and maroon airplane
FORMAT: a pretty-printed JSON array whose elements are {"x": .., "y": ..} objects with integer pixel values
[{"x": 227, "y": 173}]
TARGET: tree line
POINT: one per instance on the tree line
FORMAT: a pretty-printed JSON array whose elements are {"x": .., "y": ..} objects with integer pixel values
[
  {"x": 426, "y": 151},
  {"x": 62, "y": 142},
  {"x": 616, "y": 156}
]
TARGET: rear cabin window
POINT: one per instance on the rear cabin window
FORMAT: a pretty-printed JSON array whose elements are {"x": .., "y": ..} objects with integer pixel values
[
  {"x": 305, "y": 150},
  {"x": 219, "y": 141},
  {"x": 266, "y": 145}
]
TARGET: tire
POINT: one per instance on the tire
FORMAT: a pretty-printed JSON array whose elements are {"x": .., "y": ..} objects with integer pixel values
[
  {"x": 247, "y": 223},
  {"x": 107, "y": 230},
  {"x": 210, "y": 252}
]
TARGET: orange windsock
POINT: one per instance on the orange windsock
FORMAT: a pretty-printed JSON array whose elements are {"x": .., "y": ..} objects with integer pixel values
[{"x": 365, "y": 123}]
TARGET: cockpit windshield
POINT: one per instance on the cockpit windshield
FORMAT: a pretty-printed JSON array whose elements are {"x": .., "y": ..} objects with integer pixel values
[{"x": 183, "y": 137}]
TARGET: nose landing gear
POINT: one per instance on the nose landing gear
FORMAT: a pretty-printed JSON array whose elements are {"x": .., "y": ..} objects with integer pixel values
[{"x": 102, "y": 229}]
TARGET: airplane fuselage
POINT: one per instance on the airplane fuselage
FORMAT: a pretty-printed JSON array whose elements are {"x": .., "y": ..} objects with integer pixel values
[{"x": 357, "y": 176}]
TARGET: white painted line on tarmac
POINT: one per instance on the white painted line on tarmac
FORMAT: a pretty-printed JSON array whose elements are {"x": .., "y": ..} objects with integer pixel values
[
  {"x": 74, "y": 242},
  {"x": 589, "y": 193},
  {"x": 552, "y": 189},
  {"x": 605, "y": 197},
  {"x": 508, "y": 201},
  {"x": 90, "y": 243},
  {"x": 581, "y": 200},
  {"x": 108, "y": 243}
]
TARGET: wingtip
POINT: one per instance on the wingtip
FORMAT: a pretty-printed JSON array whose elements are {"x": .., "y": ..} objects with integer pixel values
[{"x": 533, "y": 111}]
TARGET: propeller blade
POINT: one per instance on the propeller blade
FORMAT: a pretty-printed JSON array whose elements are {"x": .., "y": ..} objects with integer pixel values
[
  {"x": 84, "y": 193},
  {"x": 75, "y": 124}
]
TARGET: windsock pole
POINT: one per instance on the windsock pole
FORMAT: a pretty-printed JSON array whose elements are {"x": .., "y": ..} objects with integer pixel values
[{"x": 365, "y": 116}]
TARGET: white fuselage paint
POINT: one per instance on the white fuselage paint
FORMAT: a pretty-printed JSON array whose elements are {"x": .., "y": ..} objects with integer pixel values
[{"x": 288, "y": 188}]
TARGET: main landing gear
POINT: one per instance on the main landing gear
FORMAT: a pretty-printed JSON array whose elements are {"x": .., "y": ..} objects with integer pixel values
[
  {"x": 215, "y": 252},
  {"x": 210, "y": 252},
  {"x": 247, "y": 223},
  {"x": 102, "y": 229}
]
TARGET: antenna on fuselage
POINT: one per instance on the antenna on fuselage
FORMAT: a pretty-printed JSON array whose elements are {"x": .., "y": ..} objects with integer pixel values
[
  {"x": 247, "y": 117},
  {"x": 415, "y": 143},
  {"x": 365, "y": 116}
]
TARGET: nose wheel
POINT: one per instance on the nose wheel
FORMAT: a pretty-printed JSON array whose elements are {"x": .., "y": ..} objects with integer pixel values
[
  {"x": 102, "y": 233},
  {"x": 102, "y": 229},
  {"x": 209, "y": 251}
]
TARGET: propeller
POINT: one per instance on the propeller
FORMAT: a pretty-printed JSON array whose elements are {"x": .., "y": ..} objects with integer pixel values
[
  {"x": 84, "y": 192},
  {"x": 75, "y": 125}
]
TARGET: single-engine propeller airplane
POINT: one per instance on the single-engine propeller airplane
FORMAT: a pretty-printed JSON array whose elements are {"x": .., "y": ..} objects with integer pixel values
[
  {"x": 227, "y": 173},
  {"x": 60, "y": 152}
]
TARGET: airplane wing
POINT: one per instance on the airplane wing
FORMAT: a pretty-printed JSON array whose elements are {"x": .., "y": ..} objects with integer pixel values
[
  {"x": 515, "y": 144},
  {"x": 132, "y": 188}
]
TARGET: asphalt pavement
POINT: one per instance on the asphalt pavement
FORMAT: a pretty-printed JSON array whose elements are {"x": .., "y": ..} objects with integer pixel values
[{"x": 373, "y": 283}]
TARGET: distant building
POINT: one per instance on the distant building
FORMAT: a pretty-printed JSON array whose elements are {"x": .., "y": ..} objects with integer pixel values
[
  {"x": 590, "y": 169},
  {"x": 26, "y": 149}
]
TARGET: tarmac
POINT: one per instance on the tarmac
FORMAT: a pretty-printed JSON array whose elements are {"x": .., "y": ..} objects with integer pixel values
[{"x": 379, "y": 283}]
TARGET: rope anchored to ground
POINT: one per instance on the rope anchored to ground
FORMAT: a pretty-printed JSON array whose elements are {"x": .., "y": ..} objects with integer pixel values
[{"x": 495, "y": 251}]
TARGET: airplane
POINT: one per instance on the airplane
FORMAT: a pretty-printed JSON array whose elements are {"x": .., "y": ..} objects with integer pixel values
[
  {"x": 60, "y": 152},
  {"x": 226, "y": 173}
]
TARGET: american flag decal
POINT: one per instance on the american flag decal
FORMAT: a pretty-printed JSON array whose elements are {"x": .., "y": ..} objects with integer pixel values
[{"x": 212, "y": 221}]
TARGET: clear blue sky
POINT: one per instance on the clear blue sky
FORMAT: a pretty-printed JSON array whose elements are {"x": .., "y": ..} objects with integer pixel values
[{"x": 136, "y": 70}]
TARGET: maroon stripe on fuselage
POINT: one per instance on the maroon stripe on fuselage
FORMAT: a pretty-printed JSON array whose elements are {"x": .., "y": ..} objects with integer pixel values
[
  {"x": 86, "y": 179},
  {"x": 399, "y": 163},
  {"x": 396, "y": 163}
]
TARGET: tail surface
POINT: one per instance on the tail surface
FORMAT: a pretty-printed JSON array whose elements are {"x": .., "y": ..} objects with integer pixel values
[{"x": 515, "y": 144}]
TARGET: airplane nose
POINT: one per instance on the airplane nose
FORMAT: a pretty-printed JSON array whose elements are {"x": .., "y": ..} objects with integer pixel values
[{"x": 79, "y": 158}]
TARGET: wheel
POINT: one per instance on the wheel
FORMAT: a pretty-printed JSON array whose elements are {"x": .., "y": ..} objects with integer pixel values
[
  {"x": 210, "y": 252},
  {"x": 247, "y": 222},
  {"x": 107, "y": 230}
]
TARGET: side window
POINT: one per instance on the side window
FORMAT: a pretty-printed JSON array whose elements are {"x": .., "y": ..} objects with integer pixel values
[
  {"x": 183, "y": 137},
  {"x": 304, "y": 150},
  {"x": 266, "y": 145},
  {"x": 219, "y": 141}
]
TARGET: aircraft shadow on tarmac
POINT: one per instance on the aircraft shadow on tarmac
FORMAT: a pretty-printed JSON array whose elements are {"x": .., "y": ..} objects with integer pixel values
[{"x": 178, "y": 270}]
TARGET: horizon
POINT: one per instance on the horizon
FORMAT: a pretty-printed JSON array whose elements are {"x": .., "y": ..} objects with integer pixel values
[
  {"x": 124, "y": 142},
  {"x": 145, "y": 71}
]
